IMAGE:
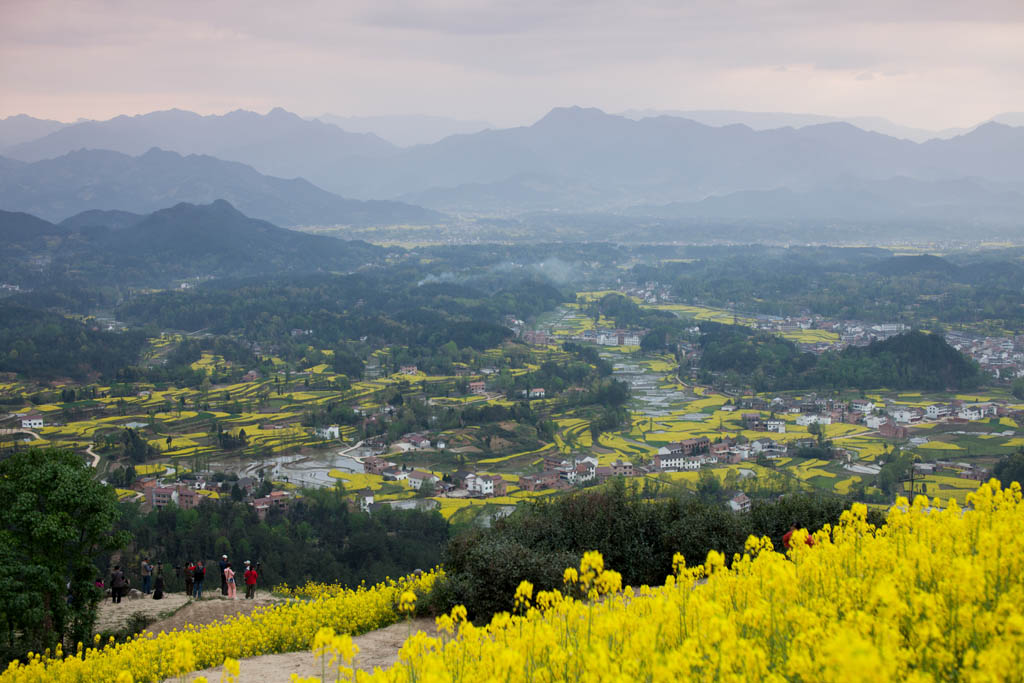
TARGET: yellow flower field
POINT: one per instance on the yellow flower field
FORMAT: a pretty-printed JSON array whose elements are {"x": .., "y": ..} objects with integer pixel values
[
  {"x": 282, "y": 628},
  {"x": 930, "y": 596}
]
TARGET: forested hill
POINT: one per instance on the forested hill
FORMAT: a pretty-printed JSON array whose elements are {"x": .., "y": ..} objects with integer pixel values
[
  {"x": 180, "y": 242},
  {"x": 47, "y": 345},
  {"x": 913, "y": 360}
]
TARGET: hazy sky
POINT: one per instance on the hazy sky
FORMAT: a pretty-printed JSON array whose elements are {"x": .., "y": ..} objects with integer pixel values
[{"x": 928, "y": 63}]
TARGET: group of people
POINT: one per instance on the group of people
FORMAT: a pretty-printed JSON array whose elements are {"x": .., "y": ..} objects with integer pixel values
[
  {"x": 152, "y": 582},
  {"x": 195, "y": 577},
  {"x": 227, "y": 579}
]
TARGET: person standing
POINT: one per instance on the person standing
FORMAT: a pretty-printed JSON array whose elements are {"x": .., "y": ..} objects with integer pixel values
[
  {"x": 229, "y": 580},
  {"x": 223, "y": 578},
  {"x": 200, "y": 576},
  {"x": 158, "y": 587},
  {"x": 190, "y": 578},
  {"x": 118, "y": 584},
  {"x": 147, "y": 575},
  {"x": 250, "y": 581}
]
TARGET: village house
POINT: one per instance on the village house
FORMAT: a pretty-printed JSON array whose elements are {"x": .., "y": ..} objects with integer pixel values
[
  {"x": 621, "y": 468},
  {"x": 374, "y": 465},
  {"x": 547, "y": 479},
  {"x": 330, "y": 432},
  {"x": 277, "y": 500},
  {"x": 976, "y": 411},
  {"x": 875, "y": 421},
  {"x": 417, "y": 479},
  {"x": 891, "y": 430},
  {"x": 537, "y": 393},
  {"x": 365, "y": 500},
  {"x": 740, "y": 502},
  {"x": 409, "y": 369},
  {"x": 808, "y": 420},
  {"x": 486, "y": 485},
  {"x": 479, "y": 387},
  {"x": 777, "y": 426},
  {"x": 395, "y": 474},
  {"x": 861, "y": 405},
  {"x": 752, "y": 421},
  {"x": 32, "y": 421}
]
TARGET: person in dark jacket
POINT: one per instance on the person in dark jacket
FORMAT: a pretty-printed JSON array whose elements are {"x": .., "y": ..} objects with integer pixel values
[
  {"x": 158, "y": 585},
  {"x": 190, "y": 579},
  {"x": 118, "y": 584},
  {"x": 200, "y": 576},
  {"x": 224, "y": 564}
]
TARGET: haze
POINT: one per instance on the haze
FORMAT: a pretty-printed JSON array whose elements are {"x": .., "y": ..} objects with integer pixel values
[{"x": 932, "y": 64}]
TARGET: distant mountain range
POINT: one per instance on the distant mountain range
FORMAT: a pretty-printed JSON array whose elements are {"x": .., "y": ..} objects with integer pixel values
[
  {"x": 183, "y": 241},
  {"x": 966, "y": 201},
  {"x": 406, "y": 131},
  {"x": 15, "y": 130},
  {"x": 279, "y": 143},
  {"x": 572, "y": 160},
  {"x": 759, "y": 120},
  {"x": 98, "y": 179}
]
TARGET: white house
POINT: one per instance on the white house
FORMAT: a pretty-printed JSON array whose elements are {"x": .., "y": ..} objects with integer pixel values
[
  {"x": 902, "y": 415},
  {"x": 808, "y": 420},
  {"x": 937, "y": 410},
  {"x": 862, "y": 406},
  {"x": 875, "y": 421},
  {"x": 740, "y": 502},
  {"x": 332, "y": 432},
  {"x": 366, "y": 500},
  {"x": 778, "y": 426},
  {"x": 977, "y": 411},
  {"x": 537, "y": 392},
  {"x": 418, "y": 478},
  {"x": 32, "y": 421}
]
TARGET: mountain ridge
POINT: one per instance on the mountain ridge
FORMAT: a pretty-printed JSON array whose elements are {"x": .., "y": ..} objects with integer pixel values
[{"x": 83, "y": 180}]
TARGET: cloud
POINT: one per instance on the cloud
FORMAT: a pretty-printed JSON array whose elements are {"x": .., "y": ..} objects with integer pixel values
[{"x": 509, "y": 62}]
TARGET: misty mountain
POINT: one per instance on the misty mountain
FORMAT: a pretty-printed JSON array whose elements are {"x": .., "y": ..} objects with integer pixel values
[
  {"x": 406, "y": 131},
  {"x": 573, "y": 159},
  {"x": 664, "y": 159},
  {"x": 761, "y": 120},
  {"x": 183, "y": 241},
  {"x": 85, "y": 180},
  {"x": 95, "y": 218},
  {"x": 15, "y": 130},
  {"x": 968, "y": 201},
  {"x": 278, "y": 143}
]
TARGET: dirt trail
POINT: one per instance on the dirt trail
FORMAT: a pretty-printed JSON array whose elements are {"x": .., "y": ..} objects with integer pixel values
[
  {"x": 173, "y": 611},
  {"x": 208, "y": 610},
  {"x": 376, "y": 648}
]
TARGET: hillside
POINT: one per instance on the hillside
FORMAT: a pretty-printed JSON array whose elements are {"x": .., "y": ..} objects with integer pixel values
[
  {"x": 95, "y": 179},
  {"x": 184, "y": 241},
  {"x": 913, "y": 360}
]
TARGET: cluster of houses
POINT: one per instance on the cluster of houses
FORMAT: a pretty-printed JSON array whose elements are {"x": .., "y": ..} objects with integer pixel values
[
  {"x": 1003, "y": 357},
  {"x": 461, "y": 484},
  {"x": 602, "y": 337},
  {"x": 189, "y": 496}
]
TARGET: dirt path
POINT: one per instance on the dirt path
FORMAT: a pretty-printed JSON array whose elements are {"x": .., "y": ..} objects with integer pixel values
[
  {"x": 208, "y": 610},
  {"x": 376, "y": 648},
  {"x": 112, "y": 617}
]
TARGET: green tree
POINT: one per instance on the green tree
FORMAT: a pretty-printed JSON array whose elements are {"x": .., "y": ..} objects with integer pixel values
[{"x": 55, "y": 521}]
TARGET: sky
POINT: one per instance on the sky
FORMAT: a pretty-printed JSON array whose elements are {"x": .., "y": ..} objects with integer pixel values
[{"x": 925, "y": 63}]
